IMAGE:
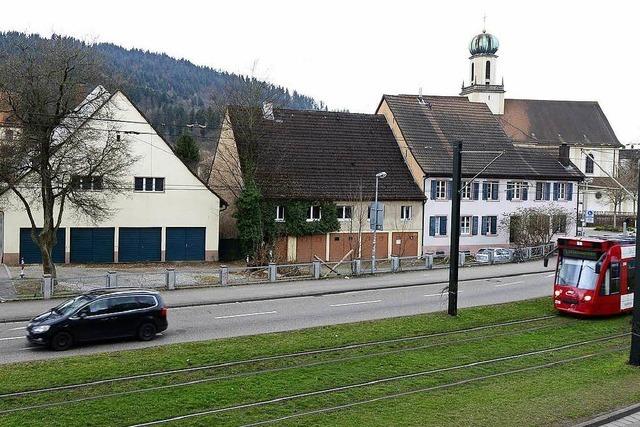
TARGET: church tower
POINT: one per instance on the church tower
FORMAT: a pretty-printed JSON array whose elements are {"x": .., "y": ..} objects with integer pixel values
[{"x": 483, "y": 82}]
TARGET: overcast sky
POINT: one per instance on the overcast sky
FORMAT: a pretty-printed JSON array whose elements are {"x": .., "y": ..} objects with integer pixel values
[{"x": 349, "y": 53}]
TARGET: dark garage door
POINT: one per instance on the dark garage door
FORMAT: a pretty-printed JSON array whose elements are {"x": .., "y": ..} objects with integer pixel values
[
  {"x": 92, "y": 244},
  {"x": 139, "y": 244},
  {"x": 30, "y": 251},
  {"x": 185, "y": 243}
]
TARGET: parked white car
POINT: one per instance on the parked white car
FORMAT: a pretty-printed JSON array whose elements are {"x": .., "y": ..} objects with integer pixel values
[{"x": 499, "y": 255}]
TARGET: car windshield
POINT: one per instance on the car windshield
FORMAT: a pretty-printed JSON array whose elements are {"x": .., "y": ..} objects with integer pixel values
[
  {"x": 72, "y": 305},
  {"x": 580, "y": 273}
]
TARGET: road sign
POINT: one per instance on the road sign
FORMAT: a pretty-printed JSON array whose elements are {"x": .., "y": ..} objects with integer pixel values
[
  {"x": 376, "y": 216},
  {"x": 588, "y": 216}
]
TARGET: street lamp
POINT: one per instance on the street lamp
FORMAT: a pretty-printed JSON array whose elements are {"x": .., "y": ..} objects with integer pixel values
[{"x": 379, "y": 176}]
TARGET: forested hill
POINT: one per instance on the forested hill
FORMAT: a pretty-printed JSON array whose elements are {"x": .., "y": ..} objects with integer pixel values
[{"x": 173, "y": 92}]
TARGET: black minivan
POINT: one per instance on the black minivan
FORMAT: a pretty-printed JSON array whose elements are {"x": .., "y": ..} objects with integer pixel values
[{"x": 98, "y": 315}]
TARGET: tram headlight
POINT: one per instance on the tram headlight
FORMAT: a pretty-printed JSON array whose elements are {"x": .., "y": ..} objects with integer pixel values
[
  {"x": 557, "y": 293},
  {"x": 587, "y": 298}
]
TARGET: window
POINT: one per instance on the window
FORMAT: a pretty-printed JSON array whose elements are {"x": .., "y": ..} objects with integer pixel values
[
  {"x": 562, "y": 191},
  {"x": 344, "y": 213},
  {"x": 441, "y": 190},
  {"x": 517, "y": 191},
  {"x": 148, "y": 184},
  {"x": 87, "y": 182},
  {"x": 121, "y": 304},
  {"x": 588, "y": 167},
  {"x": 487, "y": 70},
  {"x": 405, "y": 213},
  {"x": 490, "y": 190},
  {"x": 145, "y": 301},
  {"x": 489, "y": 225},
  {"x": 465, "y": 191},
  {"x": 465, "y": 225},
  {"x": 313, "y": 213},
  {"x": 97, "y": 308},
  {"x": 472, "y": 72},
  {"x": 543, "y": 190},
  {"x": 279, "y": 213},
  {"x": 631, "y": 276},
  {"x": 611, "y": 283},
  {"x": 438, "y": 226}
]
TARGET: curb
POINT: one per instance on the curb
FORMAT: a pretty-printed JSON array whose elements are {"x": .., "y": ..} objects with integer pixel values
[
  {"x": 610, "y": 417},
  {"x": 313, "y": 293}
]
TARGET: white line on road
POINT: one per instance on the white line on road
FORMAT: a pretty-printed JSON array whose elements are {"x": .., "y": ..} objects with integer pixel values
[
  {"x": 440, "y": 294},
  {"x": 15, "y": 329},
  {"x": 245, "y": 315},
  {"x": 355, "y": 303},
  {"x": 550, "y": 275},
  {"x": 510, "y": 283},
  {"x": 11, "y": 338}
]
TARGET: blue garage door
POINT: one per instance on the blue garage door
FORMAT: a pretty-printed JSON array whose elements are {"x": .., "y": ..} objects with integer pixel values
[
  {"x": 139, "y": 244},
  {"x": 30, "y": 252},
  {"x": 185, "y": 243},
  {"x": 92, "y": 244}
]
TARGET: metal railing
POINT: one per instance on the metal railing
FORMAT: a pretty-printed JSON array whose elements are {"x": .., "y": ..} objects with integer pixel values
[{"x": 172, "y": 279}]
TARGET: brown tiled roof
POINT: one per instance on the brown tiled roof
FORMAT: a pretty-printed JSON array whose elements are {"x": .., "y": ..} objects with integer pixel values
[
  {"x": 604, "y": 182},
  {"x": 431, "y": 127},
  {"x": 318, "y": 155},
  {"x": 553, "y": 122}
]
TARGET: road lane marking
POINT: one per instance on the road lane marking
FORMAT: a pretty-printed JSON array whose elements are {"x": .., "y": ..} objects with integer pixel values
[
  {"x": 550, "y": 275},
  {"x": 246, "y": 314},
  {"x": 15, "y": 329},
  {"x": 510, "y": 283},
  {"x": 355, "y": 303},
  {"x": 439, "y": 294},
  {"x": 11, "y": 338}
]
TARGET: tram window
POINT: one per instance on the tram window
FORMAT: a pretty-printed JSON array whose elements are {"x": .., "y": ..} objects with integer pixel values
[
  {"x": 613, "y": 279},
  {"x": 631, "y": 275}
]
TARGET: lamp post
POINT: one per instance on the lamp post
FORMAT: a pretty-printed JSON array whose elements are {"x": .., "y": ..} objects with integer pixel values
[{"x": 379, "y": 176}]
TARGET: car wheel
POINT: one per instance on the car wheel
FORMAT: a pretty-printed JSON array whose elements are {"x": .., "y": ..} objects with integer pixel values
[
  {"x": 147, "y": 332},
  {"x": 61, "y": 341}
]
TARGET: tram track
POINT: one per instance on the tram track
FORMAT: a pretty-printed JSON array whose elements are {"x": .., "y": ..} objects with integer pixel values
[
  {"x": 271, "y": 358},
  {"x": 328, "y": 391}
]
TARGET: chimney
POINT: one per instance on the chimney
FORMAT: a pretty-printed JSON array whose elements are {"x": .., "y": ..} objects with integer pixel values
[
  {"x": 267, "y": 110},
  {"x": 564, "y": 154}
]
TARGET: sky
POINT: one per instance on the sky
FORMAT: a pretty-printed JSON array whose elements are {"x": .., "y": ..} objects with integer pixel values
[{"x": 349, "y": 53}]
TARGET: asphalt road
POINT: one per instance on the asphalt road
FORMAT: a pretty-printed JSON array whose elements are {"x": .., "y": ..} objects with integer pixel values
[{"x": 256, "y": 317}]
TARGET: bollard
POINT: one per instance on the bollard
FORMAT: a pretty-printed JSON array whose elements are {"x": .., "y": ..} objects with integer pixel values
[
  {"x": 224, "y": 275},
  {"x": 47, "y": 286},
  {"x": 490, "y": 256},
  {"x": 112, "y": 279},
  {"x": 273, "y": 272},
  {"x": 171, "y": 279},
  {"x": 356, "y": 266},
  {"x": 461, "y": 258},
  {"x": 428, "y": 261},
  {"x": 316, "y": 269},
  {"x": 22, "y": 268},
  {"x": 395, "y": 264}
]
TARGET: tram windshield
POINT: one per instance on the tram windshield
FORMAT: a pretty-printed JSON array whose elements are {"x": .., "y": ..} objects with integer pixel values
[{"x": 580, "y": 273}]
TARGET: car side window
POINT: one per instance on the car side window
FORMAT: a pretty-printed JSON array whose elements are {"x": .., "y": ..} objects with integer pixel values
[
  {"x": 145, "y": 301},
  {"x": 120, "y": 304},
  {"x": 97, "y": 308}
]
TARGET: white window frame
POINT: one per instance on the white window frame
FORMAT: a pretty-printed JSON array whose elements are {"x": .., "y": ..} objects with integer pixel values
[
  {"x": 441, "y": 190},
  {"x": 279, "y": 213},
  {"x": 437, "y": 226},
  {"x": 535, "y": 193},
  {"x": 465, "y": 225},
  {"x": 489, "y": 226},
  {"x": 490, "y": 185},
  {"x": 310, "y": 214},
  {"x": 466, "y": 190},
  {"x": 562, "y": 191},
  {"x": 342, "y": 211},
  {"x": 406, "y": 213},
  {"x": 153, "y": 184},
  {"x": 517, "y": 188}
]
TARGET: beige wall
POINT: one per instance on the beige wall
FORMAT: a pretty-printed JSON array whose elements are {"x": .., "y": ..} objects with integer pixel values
[{"x": 411, "y": 162}]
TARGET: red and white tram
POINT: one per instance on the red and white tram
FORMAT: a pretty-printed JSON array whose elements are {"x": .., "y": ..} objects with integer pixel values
[{"x": 595, "y": 277}]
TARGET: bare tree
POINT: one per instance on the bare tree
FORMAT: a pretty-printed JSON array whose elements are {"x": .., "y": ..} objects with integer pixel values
[
  {"x": 66, "y": 145},
  {"x": 536, "y": 225}
]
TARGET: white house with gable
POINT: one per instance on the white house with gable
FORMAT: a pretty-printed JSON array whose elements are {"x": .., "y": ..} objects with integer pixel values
[{"x": 166, "y": 213}]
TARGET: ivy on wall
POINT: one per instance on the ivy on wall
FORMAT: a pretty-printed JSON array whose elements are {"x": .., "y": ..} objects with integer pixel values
[{"x": 295, "y": 215}]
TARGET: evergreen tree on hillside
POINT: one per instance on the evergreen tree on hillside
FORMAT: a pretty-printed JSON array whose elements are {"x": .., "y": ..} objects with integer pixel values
[{"x": 187, "y": 149}]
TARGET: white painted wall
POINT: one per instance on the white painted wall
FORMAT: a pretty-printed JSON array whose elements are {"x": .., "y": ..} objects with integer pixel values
[
  {"x": 186, "y": 202},
  {"x": 484, "y": 208}
]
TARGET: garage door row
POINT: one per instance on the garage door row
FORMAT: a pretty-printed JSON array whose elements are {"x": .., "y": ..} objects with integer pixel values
[{"x": 96, "y": 245}]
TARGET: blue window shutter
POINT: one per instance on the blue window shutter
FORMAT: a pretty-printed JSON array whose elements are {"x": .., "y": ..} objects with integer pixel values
[
  {"x": 449, "y": 189},
  {"x": 556, "y": 190},
  {"x": 434, "y": 185},
  {"x": 474, "y": 226},
  {"x": 525, "y": 190},
  {"x": 483, "y": 231},
  {"x": 432, "y": 226},
  {"x": 547, "y": 190},
  {"x": 494, "y": 191},
  {"x": 485, "y": 191},
  {"x": 509, "y": 190},
  {"x": 443, "y": 225},
  {"x": 569, "y": 190},
  {"x": 494, "y": 224},
  {"x": 476, "y": 190}
]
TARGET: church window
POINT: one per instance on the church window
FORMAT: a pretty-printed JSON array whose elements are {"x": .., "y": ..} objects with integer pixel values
[
  {"x": 472, "y": 78},
  {"x": 588, "y": 167},
  {"x": 487, "y": 72}
]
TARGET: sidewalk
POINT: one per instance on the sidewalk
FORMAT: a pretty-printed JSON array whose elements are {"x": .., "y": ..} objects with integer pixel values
[
  {"x": 629, "y": 416},
  {"x": 6, "y": 288},
  {"x": 24, "y": 310}
]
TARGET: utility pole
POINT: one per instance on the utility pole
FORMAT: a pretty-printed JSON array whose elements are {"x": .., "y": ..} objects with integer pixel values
[
  {"x": 454, "y": 249},
  {"x": 634, "y": 356},
  {"x": 375, "y": 216}
]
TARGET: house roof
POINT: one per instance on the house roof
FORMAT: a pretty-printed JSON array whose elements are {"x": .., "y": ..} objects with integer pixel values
[
  {"x": 606, "y": 183},
  {"x": 432, "y": 125},
  {"x": 319, "y": 155},
  {"x": 553, "y": 122}
]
